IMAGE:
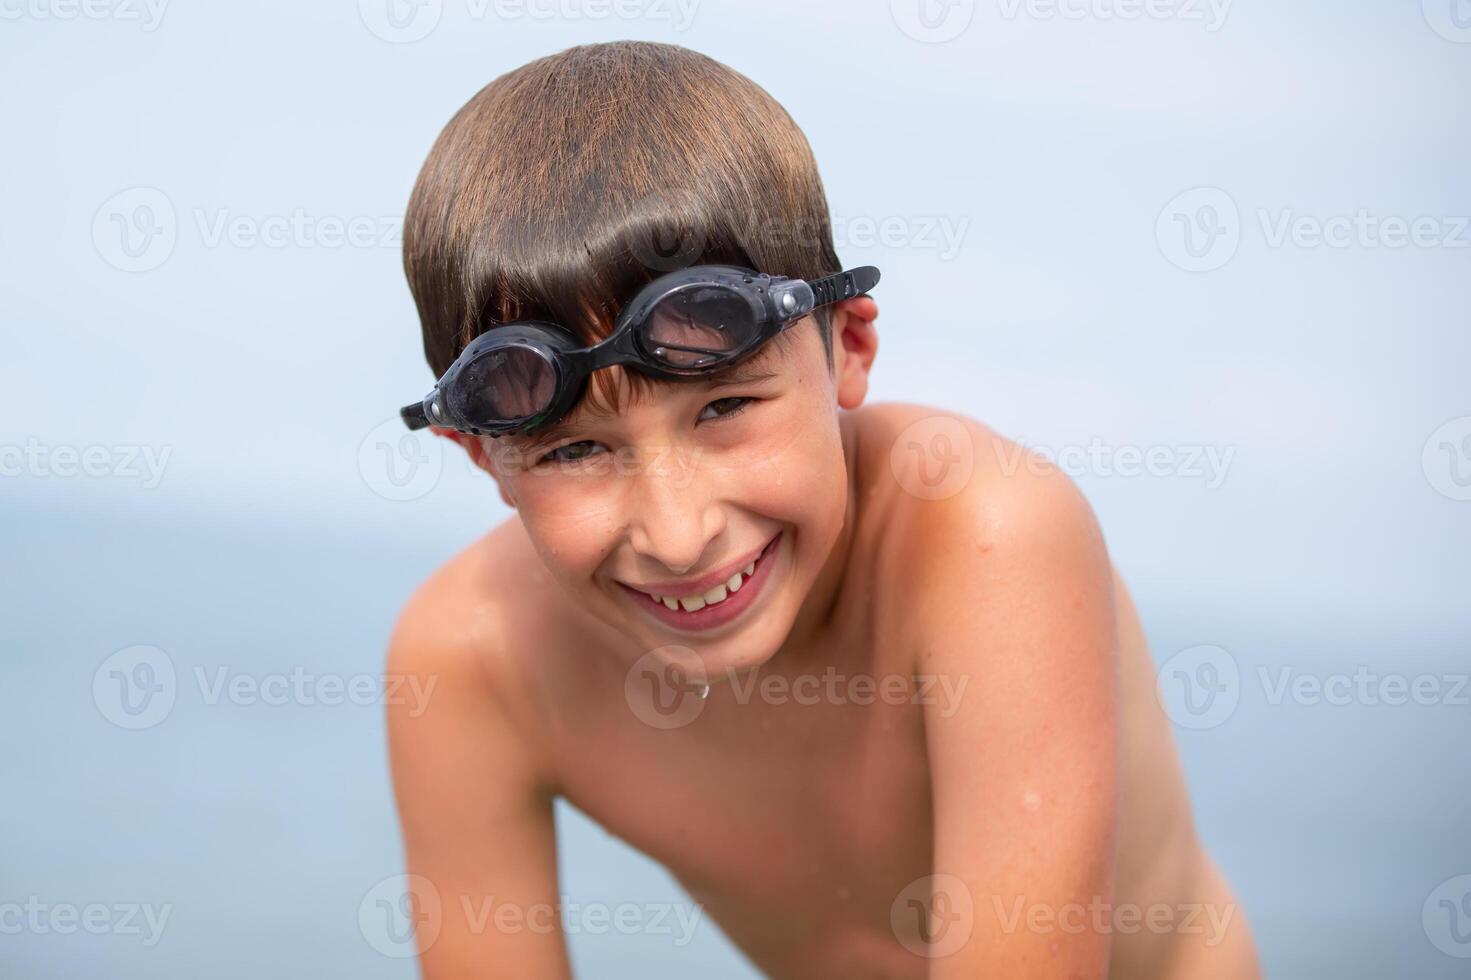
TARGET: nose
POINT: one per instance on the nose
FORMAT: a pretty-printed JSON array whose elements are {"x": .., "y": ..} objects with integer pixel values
[{"x": 673, "y": 518}]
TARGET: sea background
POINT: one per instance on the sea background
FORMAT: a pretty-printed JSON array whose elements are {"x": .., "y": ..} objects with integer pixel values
[{"x": 286, "y": 519}]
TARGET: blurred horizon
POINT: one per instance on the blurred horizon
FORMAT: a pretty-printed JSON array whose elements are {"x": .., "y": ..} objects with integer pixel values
[{"x": 1232, "y": 239}]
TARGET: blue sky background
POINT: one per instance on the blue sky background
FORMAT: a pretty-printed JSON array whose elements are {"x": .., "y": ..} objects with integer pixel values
[{"x": 1067, "y": 157}]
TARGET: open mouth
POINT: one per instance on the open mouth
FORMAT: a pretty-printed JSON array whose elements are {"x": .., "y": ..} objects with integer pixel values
[{"x": 715, "y": 606}]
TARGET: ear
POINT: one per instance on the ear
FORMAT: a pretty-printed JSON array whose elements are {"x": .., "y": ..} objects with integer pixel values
[
  {"x": 474, "y": 446},
  {"x": 855, "y": 344}
]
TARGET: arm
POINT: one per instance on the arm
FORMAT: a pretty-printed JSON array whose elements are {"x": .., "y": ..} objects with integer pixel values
[
  {"x": 1018, "y": 599},
  {"x": 474, "y": 807}
]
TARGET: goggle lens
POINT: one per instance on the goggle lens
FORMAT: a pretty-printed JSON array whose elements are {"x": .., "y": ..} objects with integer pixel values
[
  {"x": 505, "y": 384},
  {"x": 698, "y": 327}
]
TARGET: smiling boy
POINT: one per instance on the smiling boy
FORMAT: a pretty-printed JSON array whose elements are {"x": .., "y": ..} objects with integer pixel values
[{"x": 879, "y": 703}]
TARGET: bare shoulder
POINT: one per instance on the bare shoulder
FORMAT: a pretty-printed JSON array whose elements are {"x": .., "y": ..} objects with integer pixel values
[
  {"x": 1007, "y": 592},
  {"x": 458, "y": 616},
  {"x": 959, "y": 498},
  {"x": 464, "y": 627}
]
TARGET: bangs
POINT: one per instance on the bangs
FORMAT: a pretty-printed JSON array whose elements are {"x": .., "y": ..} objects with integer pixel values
[
  {"x": 582, "y": 282},
  {"x": 565, "y": 186}
]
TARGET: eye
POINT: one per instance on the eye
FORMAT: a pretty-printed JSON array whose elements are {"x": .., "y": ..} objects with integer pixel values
[
  {"x": 727, "y": 407},
  {"x": 571, "y": 452}
]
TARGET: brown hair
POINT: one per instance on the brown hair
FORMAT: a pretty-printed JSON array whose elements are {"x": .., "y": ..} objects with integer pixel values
[{"x": 563, "y": 186}]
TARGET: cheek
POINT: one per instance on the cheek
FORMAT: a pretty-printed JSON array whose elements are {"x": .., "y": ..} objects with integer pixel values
[
  {"x": 574, "y": 498},
  {"x": 797, "y": 474},
  {"x": 572, "y": 531}
]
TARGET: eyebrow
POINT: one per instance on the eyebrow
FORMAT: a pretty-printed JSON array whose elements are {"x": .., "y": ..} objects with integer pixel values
[{"x": 743, "y": 373}]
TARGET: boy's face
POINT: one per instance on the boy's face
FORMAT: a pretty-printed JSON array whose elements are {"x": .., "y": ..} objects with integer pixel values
[{"x": 694, "y": 480}]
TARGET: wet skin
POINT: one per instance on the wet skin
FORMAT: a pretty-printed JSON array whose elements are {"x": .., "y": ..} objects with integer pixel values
[{"x": 924, "y": 682}]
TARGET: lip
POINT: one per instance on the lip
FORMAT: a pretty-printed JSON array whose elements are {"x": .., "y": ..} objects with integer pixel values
[
  {"x": 709, "y": 617},
  {"x": 705, "y": 582}
]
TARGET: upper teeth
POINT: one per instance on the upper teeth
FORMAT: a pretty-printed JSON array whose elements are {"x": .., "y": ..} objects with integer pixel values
[{"x": 689, "y": 603}]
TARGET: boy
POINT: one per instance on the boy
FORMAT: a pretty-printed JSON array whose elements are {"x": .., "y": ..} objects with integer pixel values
[{"x": 878, "y": 702}]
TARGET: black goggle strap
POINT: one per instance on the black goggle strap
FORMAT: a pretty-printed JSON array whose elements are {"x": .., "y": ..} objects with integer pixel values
[
  {"x": 414, "y": 417},
  {"x": 843, "y": 285}
]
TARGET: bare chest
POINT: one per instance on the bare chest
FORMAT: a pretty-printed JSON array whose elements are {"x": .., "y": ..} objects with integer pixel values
[{"x": 794, "y": 810}]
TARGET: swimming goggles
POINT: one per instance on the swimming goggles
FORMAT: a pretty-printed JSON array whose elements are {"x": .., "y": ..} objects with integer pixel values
[{"x": 687, "y": 324}]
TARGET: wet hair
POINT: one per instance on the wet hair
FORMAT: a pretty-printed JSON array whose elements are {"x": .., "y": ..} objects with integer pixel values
[{"x": 566, "y": 184}]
